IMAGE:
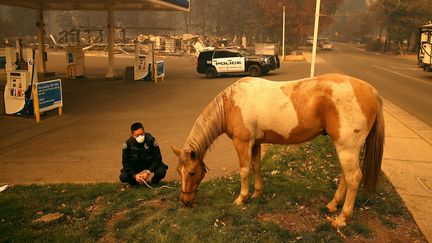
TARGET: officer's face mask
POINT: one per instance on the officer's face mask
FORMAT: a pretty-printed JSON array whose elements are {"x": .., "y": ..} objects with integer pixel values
[{"x": 140, "y": 138}]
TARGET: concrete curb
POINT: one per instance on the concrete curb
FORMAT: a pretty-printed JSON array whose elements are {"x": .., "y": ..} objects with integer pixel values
[
  {"x": 407, "y": 163},
  {"x": 293, "y": 58}
]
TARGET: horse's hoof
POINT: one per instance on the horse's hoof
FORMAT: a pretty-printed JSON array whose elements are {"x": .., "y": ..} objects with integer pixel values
[
  {"x": 256, "y": 195},
  {"x": 337, "y": 223},
  {"x": 239, "y": 201},
  {"x": 331, "y": 207}
]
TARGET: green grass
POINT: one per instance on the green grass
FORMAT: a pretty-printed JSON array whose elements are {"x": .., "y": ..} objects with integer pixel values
[{"x": 298, "y": 183}]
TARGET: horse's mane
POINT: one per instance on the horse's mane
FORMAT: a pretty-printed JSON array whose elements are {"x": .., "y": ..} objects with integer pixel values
[{"x": 208, "y": 126}]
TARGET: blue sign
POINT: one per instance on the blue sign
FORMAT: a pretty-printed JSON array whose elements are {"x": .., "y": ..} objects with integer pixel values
[
  {"x": 181, "y": 3},
  {"x": 160, "y": 66},
  {"x": 49, "y": 94}
]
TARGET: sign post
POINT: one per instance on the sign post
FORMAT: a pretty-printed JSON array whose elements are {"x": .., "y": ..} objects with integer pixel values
[{"x": 47, "y": 96}]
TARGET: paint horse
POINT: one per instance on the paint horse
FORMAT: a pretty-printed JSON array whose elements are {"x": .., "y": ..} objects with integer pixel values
[{"x": 253, "y": 111}]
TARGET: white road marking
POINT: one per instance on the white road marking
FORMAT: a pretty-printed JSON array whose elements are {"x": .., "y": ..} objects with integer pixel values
[
  {"x": 403, "y": 75},
  {"x": 410, "y": 69}
]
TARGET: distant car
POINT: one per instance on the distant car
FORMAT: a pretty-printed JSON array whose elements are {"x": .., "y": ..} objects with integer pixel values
[
  {"x": 325, "y": 45},
  {"x": 222, "y": 61},
  {"x": 322, "y": 39}
]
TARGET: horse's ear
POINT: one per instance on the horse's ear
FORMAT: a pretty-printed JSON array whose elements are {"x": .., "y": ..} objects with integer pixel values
[{"x": 176, "y": 150}]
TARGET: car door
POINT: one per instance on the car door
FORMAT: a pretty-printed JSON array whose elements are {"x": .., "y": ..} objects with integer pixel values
[{"x": 228, "y": 62}]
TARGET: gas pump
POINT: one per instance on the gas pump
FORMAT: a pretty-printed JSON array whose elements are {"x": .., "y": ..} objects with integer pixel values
[
  {"x": 20, "y": 73},
  {"x": 143, "y": 68},
  {"x": 75, "y": 62}
]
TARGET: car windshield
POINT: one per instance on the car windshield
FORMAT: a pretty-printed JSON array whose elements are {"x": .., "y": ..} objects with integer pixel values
[{"x": 246, "y": 52}]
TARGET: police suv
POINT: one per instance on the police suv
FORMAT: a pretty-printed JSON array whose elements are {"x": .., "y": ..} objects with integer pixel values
[{"x": 223, "y": 61}]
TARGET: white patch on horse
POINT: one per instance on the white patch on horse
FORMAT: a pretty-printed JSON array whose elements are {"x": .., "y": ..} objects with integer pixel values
[
  {"x": 350, "y": 114},
  {"x": 266, "y": 107}
]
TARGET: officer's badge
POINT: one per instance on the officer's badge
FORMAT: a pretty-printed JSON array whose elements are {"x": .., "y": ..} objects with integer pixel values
[
  {"x": 124, "y": 146},
  {"x": 155, "y": 144},
  {"x": 146, "y": 146}
]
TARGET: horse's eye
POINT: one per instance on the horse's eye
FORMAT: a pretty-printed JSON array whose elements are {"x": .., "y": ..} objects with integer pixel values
[{"x": 192, "y": 173}]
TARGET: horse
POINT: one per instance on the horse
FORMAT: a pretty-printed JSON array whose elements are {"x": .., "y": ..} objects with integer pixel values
[{"x": 253, "y": 111}]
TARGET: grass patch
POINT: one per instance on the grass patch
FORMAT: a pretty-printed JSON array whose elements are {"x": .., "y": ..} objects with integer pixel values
[{"x": 298, "y": 182}]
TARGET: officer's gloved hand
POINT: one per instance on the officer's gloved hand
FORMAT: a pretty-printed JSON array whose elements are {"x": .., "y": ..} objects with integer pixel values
[{"x": 143, "y": 176}]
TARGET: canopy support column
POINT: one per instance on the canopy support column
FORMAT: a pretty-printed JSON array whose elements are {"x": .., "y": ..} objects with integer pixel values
[
  {"x": 41, "y": 40},
  {"x": 110, "y": 25}
]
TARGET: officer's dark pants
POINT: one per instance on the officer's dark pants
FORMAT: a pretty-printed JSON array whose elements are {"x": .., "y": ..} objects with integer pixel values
[{"x": 129, "y": 177}]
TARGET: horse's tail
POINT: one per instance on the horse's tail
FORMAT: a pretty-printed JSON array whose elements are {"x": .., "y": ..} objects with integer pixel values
[{"x": 373, "y": 150}]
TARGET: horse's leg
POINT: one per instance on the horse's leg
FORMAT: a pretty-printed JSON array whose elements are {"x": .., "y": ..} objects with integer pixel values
[
  {"x": 339, "y": 195},
  {"x": 243, "y": 149},
  {"x": 256, "y": 164},
  {"x": 349, "y": 160}
]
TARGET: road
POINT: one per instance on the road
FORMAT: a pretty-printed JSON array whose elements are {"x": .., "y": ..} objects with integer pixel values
[{"x": 397, "y": 79}]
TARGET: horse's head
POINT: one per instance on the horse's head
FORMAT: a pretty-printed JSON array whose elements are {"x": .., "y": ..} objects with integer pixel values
[{"x": 191, "y": 170}]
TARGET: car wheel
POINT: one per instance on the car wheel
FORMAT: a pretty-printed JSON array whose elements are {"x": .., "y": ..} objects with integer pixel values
[
  {"x": 254, "y": 70},
  {"x": 211, "y": 72}
]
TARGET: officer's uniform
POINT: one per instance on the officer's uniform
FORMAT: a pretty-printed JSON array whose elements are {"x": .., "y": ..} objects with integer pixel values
[{"x": 142, "y": 156}]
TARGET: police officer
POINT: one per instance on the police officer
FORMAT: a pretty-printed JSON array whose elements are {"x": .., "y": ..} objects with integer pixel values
[{"x": 141, "y": 158}]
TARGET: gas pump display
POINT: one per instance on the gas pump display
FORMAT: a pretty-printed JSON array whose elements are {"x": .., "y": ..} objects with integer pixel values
[
  {"x": 142, "y": 64},
  {"x": 18, "y": 83}
]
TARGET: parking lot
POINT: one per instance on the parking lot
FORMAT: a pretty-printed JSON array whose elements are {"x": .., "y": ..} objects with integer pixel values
[{"x": 84, "y": 145}]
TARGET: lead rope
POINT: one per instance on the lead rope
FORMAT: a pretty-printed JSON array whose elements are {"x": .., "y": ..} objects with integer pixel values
[{"x": 145, "y": 182}]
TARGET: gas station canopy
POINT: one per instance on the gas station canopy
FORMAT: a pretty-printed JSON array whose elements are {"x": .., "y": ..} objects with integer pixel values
[
  {"x": 152, "y": 5},
  {"x": 99, "y": 5}
]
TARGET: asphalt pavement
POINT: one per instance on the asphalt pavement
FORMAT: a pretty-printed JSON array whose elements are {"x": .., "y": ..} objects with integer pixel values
[{"x": 84, "y": 144}]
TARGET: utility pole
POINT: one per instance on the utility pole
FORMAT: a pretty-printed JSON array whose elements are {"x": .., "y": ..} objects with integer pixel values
[
  {"x": 317, "y": 14},
  {"x": 283, "y": 34}
]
